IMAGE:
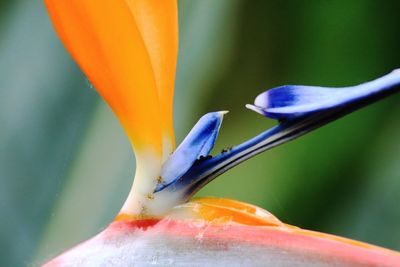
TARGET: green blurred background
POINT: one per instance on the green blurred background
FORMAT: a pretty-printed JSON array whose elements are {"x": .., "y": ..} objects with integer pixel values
[{"x": 66, "y": 166}]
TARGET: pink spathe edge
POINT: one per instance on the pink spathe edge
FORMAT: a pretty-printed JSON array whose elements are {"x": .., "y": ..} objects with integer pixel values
[{"x": 173, "y": 241}]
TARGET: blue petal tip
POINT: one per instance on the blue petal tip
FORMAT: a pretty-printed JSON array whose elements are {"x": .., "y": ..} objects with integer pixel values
[{"x": 294, "y": 101}]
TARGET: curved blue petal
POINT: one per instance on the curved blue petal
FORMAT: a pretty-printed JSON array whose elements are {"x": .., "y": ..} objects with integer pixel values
[
  {"x": 294, "y": 101},
  {"x": 198, "y": 143}
]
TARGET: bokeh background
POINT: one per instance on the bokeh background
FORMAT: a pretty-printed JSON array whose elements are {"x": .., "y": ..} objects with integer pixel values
[{"x": 66, "y": 165}]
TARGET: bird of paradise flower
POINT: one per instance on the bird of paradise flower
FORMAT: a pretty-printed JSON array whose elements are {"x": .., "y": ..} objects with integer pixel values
[{"x": 128, "y": 50}]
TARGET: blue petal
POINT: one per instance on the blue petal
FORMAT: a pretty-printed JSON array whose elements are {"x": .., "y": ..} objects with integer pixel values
[
  {"x": 198, "y": 143},
  {"x": 294, "y": 101},
  {"x": 300, "y": 109}
]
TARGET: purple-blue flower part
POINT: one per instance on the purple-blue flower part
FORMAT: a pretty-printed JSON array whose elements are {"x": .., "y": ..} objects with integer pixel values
[
  {"x": 295, "y": 101},
  {"x": 299, "y": 110},
  {"x": 196, "y": 145}
]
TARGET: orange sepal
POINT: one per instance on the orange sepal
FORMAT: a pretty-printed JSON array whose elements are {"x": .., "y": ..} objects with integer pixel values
[
  {"x": 105, "y": 38},
  {"x": 223, "y": 210},
  {"x": 158, "y": 24}
]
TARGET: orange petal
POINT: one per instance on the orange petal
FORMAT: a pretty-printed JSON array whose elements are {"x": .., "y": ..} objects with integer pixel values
[
  {"x": 158, "y": 24},
  {"x": 222, "y": 211},
  {"x": 104, "y": 38}
]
